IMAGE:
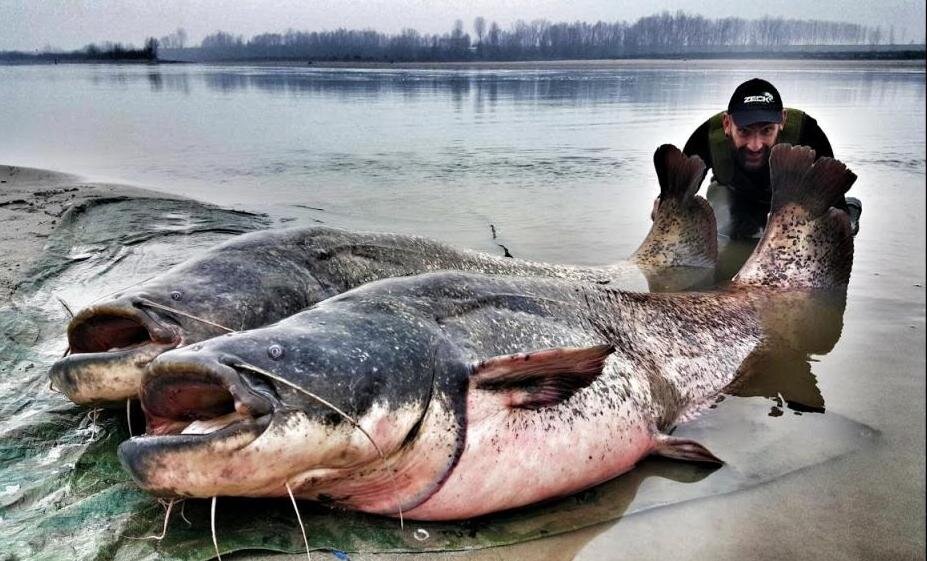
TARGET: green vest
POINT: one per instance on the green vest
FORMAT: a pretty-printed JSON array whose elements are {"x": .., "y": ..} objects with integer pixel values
[{"x": 722, "y": 160}]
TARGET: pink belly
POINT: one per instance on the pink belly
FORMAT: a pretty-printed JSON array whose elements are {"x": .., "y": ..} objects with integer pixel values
[{"x": 502, "y": 468}]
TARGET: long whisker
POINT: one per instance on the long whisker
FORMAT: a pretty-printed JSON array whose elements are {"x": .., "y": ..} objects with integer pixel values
[
  {"x": 183, "y": 505},
  {"x": 212, "y": 525},
  {"x": 331, "y": 406},
  {"x": 66, "y": 307},
  {"x": 70, "y": 313},
  {"x": 298, "y": 518},
  {"x": 167, "y": 517},
  {"x": 151, "y": 304},
  {"x": 129, "y": 415}
]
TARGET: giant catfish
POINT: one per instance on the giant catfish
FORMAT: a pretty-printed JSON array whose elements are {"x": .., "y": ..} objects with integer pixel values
[
  {"x": 257, "y": 279},
  {"x": 451, "y": 395}
]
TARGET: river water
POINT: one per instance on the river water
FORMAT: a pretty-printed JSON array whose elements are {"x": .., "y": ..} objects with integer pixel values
[{"x": 557, "y": 158}]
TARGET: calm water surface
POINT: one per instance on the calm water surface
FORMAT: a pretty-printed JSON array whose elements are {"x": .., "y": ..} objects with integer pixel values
[{"x": 558, "y": 159}]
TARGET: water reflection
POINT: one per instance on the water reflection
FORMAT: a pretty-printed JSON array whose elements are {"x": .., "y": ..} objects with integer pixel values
[
  {"x": 800, "y": 325},
  {"x": 173, "y": 82},
  {"x": 630, "y": 85},
  {"x": 489, "y": 140}
]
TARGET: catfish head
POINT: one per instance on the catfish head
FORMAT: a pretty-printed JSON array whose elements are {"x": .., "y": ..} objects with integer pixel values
[
  {"x": 366, "y": 401},
  {"x": 343, "y": 403},
  {"x": 110, "y": 344},
  {"x": 233, "y": 287}
]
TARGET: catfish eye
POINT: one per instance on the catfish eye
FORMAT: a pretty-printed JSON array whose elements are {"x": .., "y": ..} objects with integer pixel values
[
  {"x": 176, "y": 295},
  {"x": 275, "y": 351}
]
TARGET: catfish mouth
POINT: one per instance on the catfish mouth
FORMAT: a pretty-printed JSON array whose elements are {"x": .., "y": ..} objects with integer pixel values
[
  {"x": 199, "y": 414},
  {"x": 109, "y": 346},
  {"x": 201, "y": 400},
  {"x": 107, "y": 329}
]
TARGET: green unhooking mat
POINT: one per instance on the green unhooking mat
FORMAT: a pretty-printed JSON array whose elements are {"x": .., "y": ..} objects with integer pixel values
[{"x": 63, "y": 494}]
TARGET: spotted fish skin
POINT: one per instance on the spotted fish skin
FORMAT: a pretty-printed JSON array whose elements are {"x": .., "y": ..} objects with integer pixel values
[
  {"x": 807, "y": 242},
  {"x": 263, "y": 277},
  {"x": 450, "y": 395}
]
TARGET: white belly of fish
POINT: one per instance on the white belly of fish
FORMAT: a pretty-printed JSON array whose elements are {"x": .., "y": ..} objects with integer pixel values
[{"x": 515, "y": 457}]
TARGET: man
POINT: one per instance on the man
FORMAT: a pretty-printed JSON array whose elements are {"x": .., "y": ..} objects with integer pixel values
[{"x": 736, "y": 145}]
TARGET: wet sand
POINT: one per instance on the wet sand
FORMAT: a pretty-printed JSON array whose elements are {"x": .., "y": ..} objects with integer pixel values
[{"x": 32, "y": 201}]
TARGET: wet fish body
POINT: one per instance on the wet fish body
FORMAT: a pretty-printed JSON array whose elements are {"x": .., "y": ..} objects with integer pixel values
[
  {"x": 451, "y": 395},
  {"x": 257, "y": 279},
  {"x": 431, "y": 368}
]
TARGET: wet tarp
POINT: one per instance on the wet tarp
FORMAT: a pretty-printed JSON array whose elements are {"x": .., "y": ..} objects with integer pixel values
[{"x": 63, "y": 494}]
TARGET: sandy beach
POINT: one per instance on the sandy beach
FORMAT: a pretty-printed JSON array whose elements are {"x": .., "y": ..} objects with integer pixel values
[{"x": 32, "y": 201}]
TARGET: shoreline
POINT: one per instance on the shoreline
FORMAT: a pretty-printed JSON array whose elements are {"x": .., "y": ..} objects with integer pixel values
[
  {"x": 916, "y": 62},
  {"x": 32, "y": 202},
  {"x": 585, "y": 64}
]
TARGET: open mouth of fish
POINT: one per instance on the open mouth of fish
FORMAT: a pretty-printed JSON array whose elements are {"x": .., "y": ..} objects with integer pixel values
[
  {"x": 202, "y": 416},
  {"x": 115, "y": 329},
  {"x": 193, "y": 402},
  {"x": 109, "y": 347}
]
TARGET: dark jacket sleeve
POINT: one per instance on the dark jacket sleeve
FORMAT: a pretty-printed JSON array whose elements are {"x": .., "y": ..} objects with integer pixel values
[
  {"x": 698, "y": 145},
  {"x": 812, "y": 135}
]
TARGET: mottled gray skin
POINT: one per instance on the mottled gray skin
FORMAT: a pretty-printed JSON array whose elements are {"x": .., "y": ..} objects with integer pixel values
[
  {"x": 250, "y": 281},
  {"x": 684, "y": 233},
  {"x": 257, "y": 279},
  {"x": 411, "y": 349},
  {"x": 477, "y": 393},
  {"x": 807, "y": 242}
]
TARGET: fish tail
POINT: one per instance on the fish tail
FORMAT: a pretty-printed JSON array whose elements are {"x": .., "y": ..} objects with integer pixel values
[
  {"x": 797, "y": 179},
  {"x": 807, "y": 243},
  {"x": 679, "y": 176},
  {"x": 684, "y": 233}
]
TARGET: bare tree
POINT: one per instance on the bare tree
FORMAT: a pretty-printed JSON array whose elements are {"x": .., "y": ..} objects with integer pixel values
[
  {"x": 479, "y": 27},
  {"x": 151, "y": 48},
  {"x": 666, "y": 33}
]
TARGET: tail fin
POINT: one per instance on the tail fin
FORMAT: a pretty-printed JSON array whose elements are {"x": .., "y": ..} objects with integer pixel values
[
  {"x": 684, "y": 233},
  {"x": 807, "y": 243},
  {"x": 679, "y": 176},
  {"x": 795, "y": 178}
]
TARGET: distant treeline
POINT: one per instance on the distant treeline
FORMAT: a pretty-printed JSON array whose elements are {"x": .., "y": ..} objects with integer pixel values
[
  {"x": 662, "y": 34},
  {"x": 105, "y": 52}
]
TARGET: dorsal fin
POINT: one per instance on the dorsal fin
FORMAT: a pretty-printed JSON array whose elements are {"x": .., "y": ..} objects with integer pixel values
[
  {"x": 542, "y": 378},
  {"x": 679, "y": 176},
  {"x": 796, "y": 178}
]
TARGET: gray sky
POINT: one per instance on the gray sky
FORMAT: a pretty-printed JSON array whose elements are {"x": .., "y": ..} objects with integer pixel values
[{"x": 69, "y": 24}]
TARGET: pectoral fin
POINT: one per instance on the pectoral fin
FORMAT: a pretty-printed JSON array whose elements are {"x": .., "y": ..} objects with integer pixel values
[
  {"x": 542, "y": 378},
  {"x": 684, "y": 449}
]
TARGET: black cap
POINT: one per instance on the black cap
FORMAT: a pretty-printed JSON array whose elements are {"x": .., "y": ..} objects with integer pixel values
[{"x": 755, "y": 101}]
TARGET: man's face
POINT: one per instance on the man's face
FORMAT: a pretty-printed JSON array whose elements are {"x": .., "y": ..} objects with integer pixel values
[{"x": 753, "y": 142}]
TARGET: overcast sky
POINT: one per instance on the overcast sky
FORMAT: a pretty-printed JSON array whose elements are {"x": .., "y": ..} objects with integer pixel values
[{"x": 70, "y": 24}]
